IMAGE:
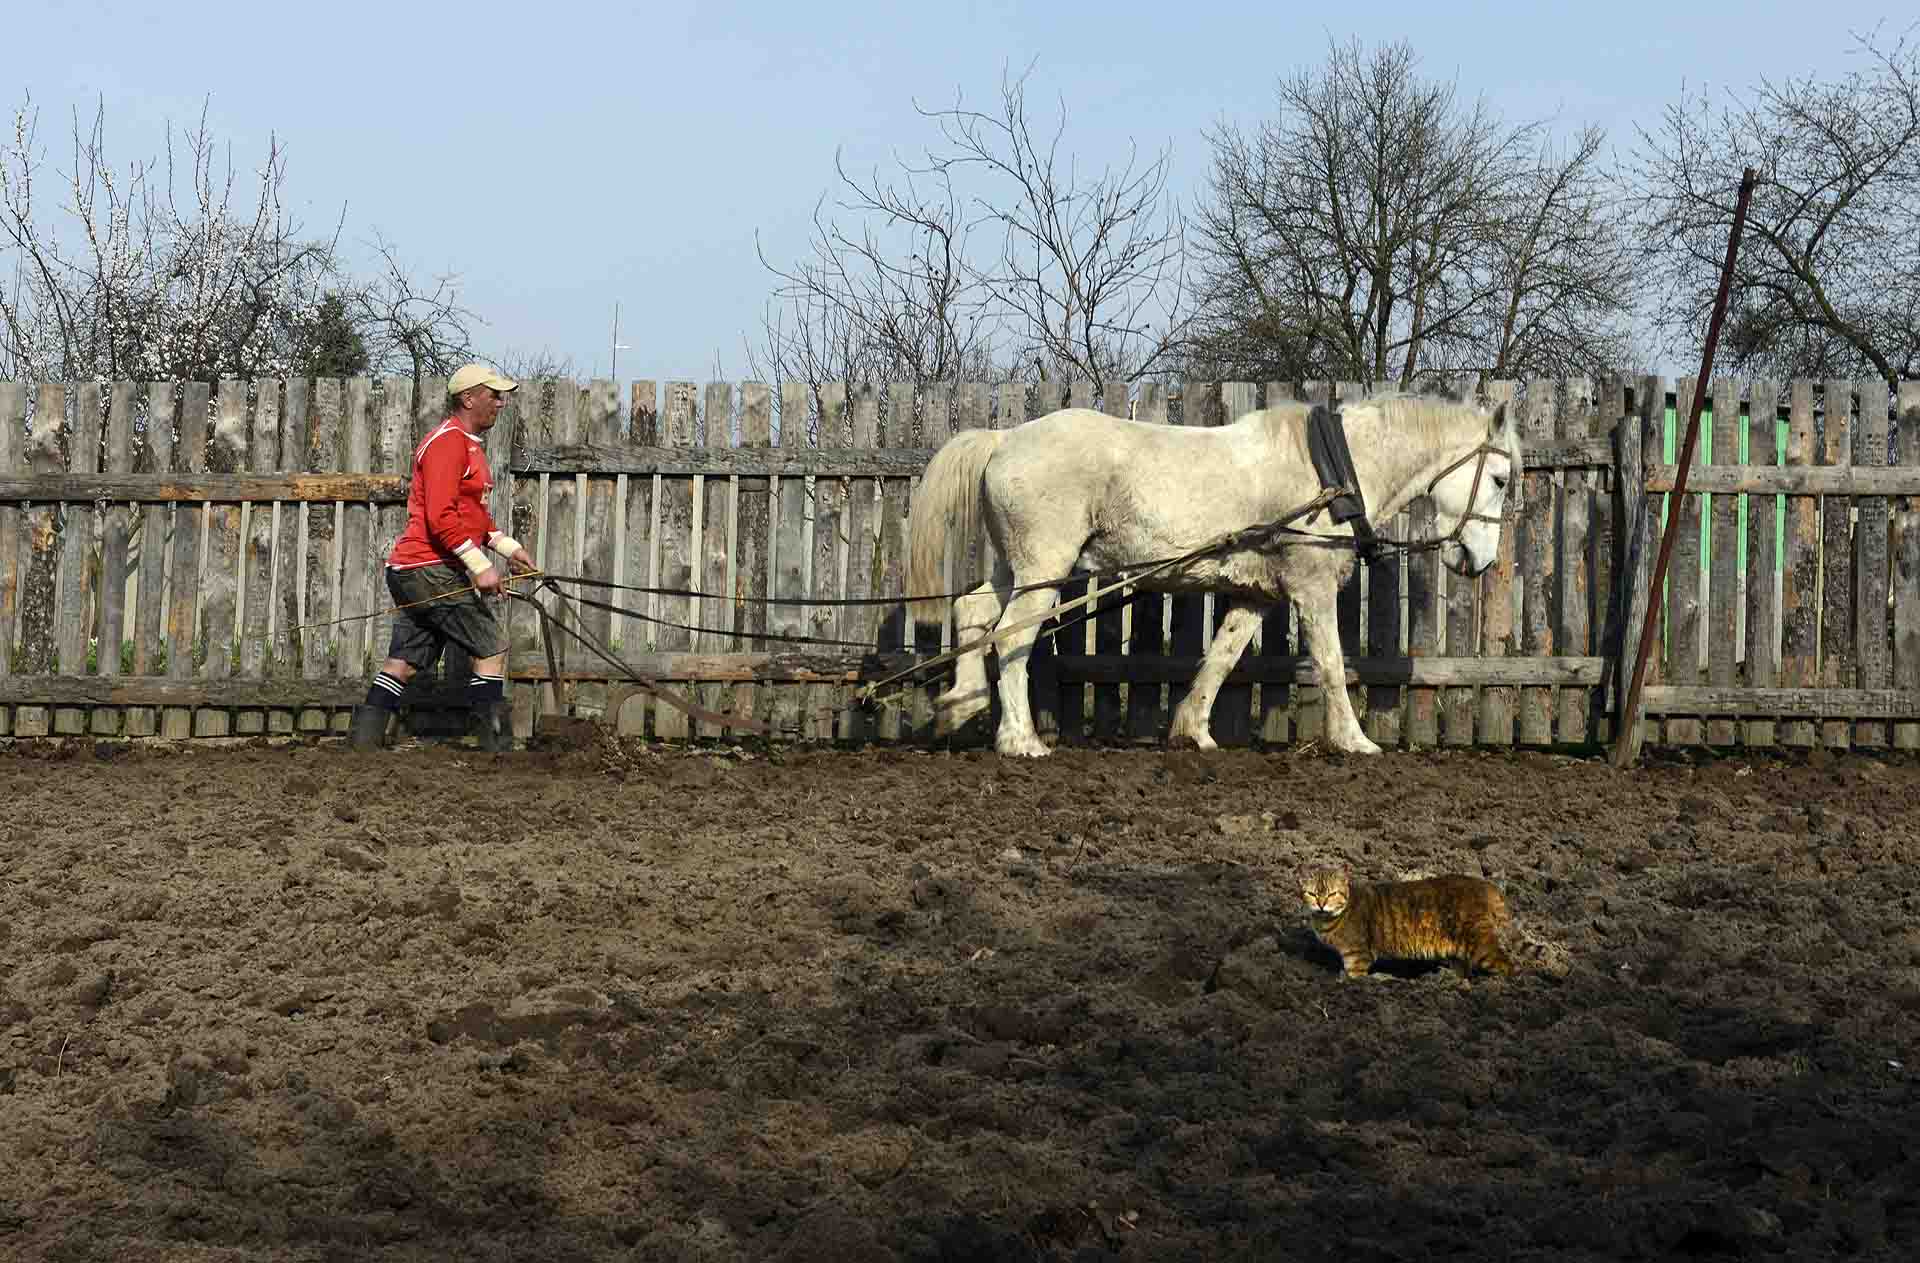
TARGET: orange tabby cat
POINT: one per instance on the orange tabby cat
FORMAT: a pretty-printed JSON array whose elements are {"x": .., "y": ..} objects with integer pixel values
[{"x": 1435, "y": 918}]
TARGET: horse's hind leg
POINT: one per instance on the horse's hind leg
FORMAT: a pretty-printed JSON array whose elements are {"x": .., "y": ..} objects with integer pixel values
[
  {"x": 1017, "y": 734},
  {"x": 1190, "y": 726},
  {"x": 974, "y": 616}
]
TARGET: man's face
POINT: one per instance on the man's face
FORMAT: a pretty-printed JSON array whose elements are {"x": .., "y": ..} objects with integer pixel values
[{"x": 482, "y": 405}]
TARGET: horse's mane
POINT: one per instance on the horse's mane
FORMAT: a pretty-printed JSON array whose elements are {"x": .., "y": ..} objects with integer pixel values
[
  {"x": 1425, "y": 417},
  {"x": 1422, "y": 417}
]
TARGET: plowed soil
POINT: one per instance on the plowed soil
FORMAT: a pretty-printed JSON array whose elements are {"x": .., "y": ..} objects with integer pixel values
[{"x": 291, "y": 1002}]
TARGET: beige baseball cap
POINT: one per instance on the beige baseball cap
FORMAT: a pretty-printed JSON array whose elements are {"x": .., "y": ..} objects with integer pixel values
[{"x": 471, "y": 375}]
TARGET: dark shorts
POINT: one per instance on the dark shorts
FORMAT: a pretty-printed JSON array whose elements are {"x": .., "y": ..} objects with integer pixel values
[{"x": 422, "y": 631}]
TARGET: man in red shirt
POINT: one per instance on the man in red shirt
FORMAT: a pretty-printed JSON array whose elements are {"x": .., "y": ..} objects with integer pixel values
[{"x": 439, "y": 572}]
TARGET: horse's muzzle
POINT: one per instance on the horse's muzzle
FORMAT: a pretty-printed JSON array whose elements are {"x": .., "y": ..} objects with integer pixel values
[{"x": 1458, "y": 558}]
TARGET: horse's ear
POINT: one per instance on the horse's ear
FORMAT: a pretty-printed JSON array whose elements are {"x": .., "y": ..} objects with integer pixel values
[{"x": 1500, "y": 417}]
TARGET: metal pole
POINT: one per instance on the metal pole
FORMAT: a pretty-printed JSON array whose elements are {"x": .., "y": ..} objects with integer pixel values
[{"x": 1626, "y": 746}]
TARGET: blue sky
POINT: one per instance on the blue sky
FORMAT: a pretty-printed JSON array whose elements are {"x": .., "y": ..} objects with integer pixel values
[{"x": 563, "y": 156}]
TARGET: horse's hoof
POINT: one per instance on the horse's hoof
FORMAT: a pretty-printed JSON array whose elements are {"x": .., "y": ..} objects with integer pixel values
[
  {"x": 953, "y": 718},
  {"x": 1025, "y": 748},
  {"x": 1191, "y": 741},
  {"x": 1361, "y": 746}
]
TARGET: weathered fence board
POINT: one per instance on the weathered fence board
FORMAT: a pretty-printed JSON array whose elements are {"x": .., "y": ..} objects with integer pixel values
[
  {"x": 358, "y": 593},
  {"x": 1836, "y": 560},
  {"x": 1906, "y": 566},
  {"x": 791, "y": 513},
  {"x": 109, "y": 628},
  {"x": 290, "y": 550},
  {"x": 1536, "y": 558},
  {"x": 828, "y": 555},
  {"x": 1685, "y": 648},
  {"x": 640, "y": 555},
  {"x": 189, "y": 524},
  {"x": 672, "y": 537},
  {"x": 392, "y": 456},
  {"x": 156, "y": 526},
  {"x": 559, "y": 528},
  {"x": 39, "y": 576},
  {"x": 526, "y": 413},
  {"x": 752, "y": 549},
  {"x": 1875, "y": 667},
  {"x": 75, "y": 532},
  {"x": 220, "y": 562},
  {"x": 263, "y": 456},
  {"x": 1423, "y": 627},
  {"x": 1721, "y": 619},
  {"x": 320, "y": 634},
  {"x": 1800, "y": 581},
  {"x": 1572, "y": 594},
  {"x": 900, "y": 426},
  {"x": 599, "y": 501},
  {"x": 13, "y": 431},
  {"x": 1762, "y": 608}
]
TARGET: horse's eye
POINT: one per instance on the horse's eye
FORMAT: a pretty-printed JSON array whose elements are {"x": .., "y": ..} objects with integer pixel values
[{"x": 1500, "y": 481}]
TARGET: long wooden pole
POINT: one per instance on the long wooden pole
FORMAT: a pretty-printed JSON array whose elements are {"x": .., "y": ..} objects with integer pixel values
[{"x": 1626, "y": 747}]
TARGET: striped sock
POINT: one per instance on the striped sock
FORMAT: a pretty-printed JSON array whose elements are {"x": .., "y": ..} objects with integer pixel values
[
  {"x": 385, "y": 691},
  {"x": 483, "y": 690}
]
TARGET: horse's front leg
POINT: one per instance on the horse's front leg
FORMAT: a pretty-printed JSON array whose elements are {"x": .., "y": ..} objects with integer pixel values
[
  {"x": 1190, "y": 718},
  {"x": 1314, "y": 598},
  {"x": 1017, "y": 734}
]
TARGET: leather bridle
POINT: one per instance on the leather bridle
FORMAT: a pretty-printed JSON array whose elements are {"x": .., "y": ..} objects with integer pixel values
[{"x": 1479, "y": 456}]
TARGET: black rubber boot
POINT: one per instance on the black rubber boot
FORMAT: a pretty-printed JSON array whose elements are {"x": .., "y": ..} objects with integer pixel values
[
  {"x": 369, "y": 727},
  {"x": 493, "y": 725}
]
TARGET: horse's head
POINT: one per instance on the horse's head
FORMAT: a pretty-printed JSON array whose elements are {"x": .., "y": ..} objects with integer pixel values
[{"x": 1470, "y": 494}]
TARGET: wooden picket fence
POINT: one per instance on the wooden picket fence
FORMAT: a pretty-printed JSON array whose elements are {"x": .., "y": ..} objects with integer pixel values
[{"x": 184, "y": 559}]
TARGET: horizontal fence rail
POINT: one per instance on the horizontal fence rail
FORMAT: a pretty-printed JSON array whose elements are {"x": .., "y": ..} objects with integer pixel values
[{"x": 204, "y": 559}]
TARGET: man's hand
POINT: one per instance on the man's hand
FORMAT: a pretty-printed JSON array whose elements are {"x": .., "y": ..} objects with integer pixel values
[
  {"x": 520, "y": 562},
  {"x": 488, "y": 581}
]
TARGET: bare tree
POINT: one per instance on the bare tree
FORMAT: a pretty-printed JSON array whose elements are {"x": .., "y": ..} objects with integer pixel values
[
  {"x": 890, "y": 300},
  {"x": 150, "y": 279},
  {"x": 1380, "y": 229},
  {"x": 1827, "y": 281},
  {"x": 531, "y": 366},
  {"x": 410, "y": 325},
  {"x": 1561, "y": 270},
  {"x": 178, "y": 268},
  {"x": 992, "y": 255}
]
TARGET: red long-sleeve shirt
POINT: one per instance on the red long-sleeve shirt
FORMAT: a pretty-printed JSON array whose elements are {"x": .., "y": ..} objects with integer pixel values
[{"x": 447, "y": 501}]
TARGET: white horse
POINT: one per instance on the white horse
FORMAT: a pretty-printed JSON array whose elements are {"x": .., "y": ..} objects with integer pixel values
[{"x": 1079, "y": 487}]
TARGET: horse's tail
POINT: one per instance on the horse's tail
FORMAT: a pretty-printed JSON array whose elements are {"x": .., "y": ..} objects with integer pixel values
[{"x": 948, "y": 500}]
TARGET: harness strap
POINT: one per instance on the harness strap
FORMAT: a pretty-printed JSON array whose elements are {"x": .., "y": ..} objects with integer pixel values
[{"x": 1333, "y": 463}]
